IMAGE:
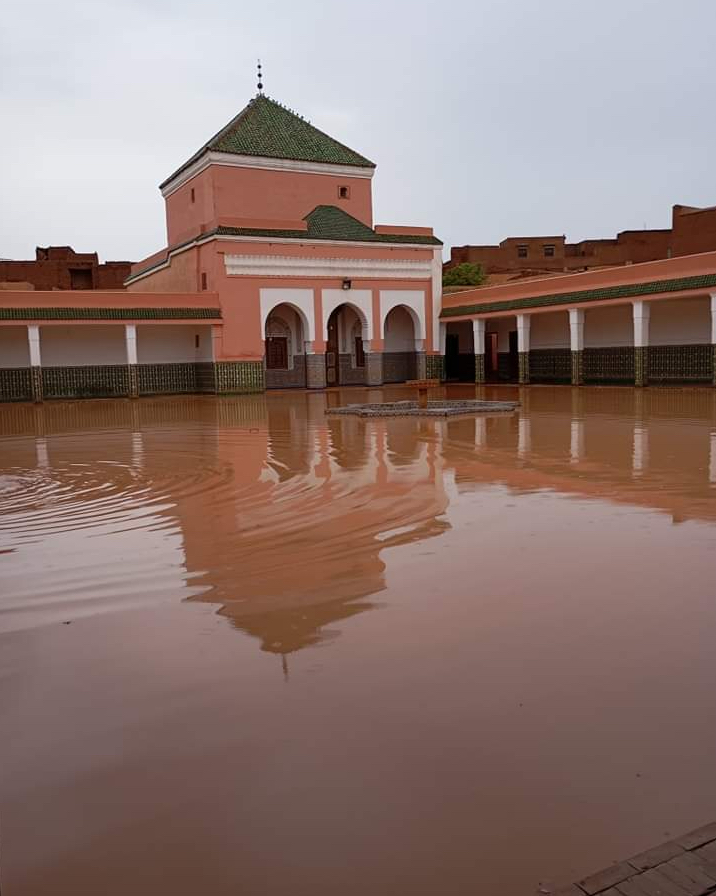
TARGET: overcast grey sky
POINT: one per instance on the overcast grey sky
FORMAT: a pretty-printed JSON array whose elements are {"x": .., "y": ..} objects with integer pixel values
[{"x": 486, "y": 118}]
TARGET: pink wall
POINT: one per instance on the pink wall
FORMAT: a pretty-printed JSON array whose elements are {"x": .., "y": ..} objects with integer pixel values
[
  {"x": 222, "y": 191},
  {"x": 186, "y": 218}
]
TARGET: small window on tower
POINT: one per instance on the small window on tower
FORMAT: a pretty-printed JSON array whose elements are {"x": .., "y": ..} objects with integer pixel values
[
  {"x": 196, "y": 340},
  {"x": 203, "y": 279},
  {"x": 192, "y": 194},
  {"x": 522, "y": 251},
  {"x": 549, "y": 251},
  {"x": 344, "y": 192}
]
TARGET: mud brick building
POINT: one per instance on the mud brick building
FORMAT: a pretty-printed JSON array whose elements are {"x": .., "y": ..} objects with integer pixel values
[
  {"x": 693, "y": 230},
  {"x": 60, "y": 267}
]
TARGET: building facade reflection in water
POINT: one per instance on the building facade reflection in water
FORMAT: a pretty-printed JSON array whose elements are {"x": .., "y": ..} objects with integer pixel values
[{"x": 283, "y": 515}]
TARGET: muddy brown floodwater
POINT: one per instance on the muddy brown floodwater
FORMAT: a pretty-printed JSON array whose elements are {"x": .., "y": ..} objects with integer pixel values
[{"x": 245, "y": 649}]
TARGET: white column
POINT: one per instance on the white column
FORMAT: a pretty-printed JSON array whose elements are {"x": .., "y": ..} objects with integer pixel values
[
  {"x": 713, "y": 318},
  {"x": 576, "y": 329},
  {"x": 712, "y": 459},
  {"x": 478, "y": 336},
  {"x": 443, "y": 337},
  {"x": 130, "y": 340},
  {"x": 523, "y": 332},
  {"x": 33, "y": 338},
  {"x": 641, "y": 312}
]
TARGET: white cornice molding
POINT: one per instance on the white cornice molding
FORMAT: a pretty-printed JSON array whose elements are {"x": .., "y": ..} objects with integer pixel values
[
  {"x": 357, "y": 244},
  {"x": 296, "y": 266},
  {"x": 231, "y": 160}
]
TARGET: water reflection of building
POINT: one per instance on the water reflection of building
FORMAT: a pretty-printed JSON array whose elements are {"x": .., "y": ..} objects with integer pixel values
[
  {"x": 296, "y": 544},
  {"x": 285, "y": 515}
]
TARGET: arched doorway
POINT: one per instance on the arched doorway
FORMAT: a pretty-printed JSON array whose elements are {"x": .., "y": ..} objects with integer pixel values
[
  {"x": 285, "y": 356},
  {"x": 345, "y": 350},
  {"x": 400, "y": 345}
]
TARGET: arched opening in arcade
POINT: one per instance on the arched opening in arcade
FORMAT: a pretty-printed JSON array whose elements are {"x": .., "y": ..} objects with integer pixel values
[
  {"x": 346, "y": 342},
  {"x": 285, "y": 337},
  {"x": 401, "y": 345}
]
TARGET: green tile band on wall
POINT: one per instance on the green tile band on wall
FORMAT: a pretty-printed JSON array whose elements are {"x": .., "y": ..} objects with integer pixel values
[
  {"x": 551, "y": 365},
  {"x": 479, "y": 368},
  {"x": 609, "y": 365},
  {"x": 240, "y": 376},
  {"x": 15, "y": 384},
  {"x": 166, "y": 379},
  {"x": 681, "y": 363},
  {"x": 625, "y": 291},
  {"x": 523, "y": 362},
  {"x": 435, "y": 367},
  {"x": 96, "y": 381},
  {"x": 63, "y": 313}
]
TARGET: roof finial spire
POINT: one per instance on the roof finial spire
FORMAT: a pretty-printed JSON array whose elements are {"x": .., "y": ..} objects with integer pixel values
[{"x": 260, "y": 77}]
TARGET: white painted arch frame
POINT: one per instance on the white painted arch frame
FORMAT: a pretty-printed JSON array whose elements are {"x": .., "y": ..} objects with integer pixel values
[
  {"x": 300, "y": 301},
  {"x": 413, "y": 300},
  {"x": 360, "y": 300}
]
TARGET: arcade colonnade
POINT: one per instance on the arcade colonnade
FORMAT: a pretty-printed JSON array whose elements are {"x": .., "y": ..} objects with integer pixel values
[
  {"x": 350, "y": 336},
  {"x": 646, "y": 340},
  {"x": 91, "y": 360}
]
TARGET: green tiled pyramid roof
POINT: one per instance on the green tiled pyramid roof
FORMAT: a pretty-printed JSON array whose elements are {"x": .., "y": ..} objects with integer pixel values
[
  {"x": 327, "y": 222},
  {"x": 268, "y": 129}
]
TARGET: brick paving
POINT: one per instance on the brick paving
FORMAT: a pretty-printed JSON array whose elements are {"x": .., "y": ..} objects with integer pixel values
[{"x": 685, "y": 866}]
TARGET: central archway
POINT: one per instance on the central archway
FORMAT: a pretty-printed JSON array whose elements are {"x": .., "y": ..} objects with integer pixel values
[{"x": 345, "y": 348}]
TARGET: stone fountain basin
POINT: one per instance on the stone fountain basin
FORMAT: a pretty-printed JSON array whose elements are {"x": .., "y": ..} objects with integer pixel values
[{"x": 438, "y": 408}]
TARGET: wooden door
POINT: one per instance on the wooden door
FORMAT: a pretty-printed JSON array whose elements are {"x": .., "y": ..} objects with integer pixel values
[{"x": 332, "y": 371}]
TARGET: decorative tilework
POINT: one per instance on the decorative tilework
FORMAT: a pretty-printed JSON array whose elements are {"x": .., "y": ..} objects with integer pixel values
[
  {"x": 240, "y": 376},
  {"x": 373, "y": 368},
  {"x": 399, "y": 367},
  {"x": 295, "y": 378},
  {"x": 36, "y": 383},
  {"x": 133, "y": 380},
  {"x": 348, "y": 375},
  {"x": 609, "y": 365},
  {"x": 166, "y": 379},
  {"x": 95, "y": 381},
  {"x": 641, "y": 365},
  {"x": 316, "y": 371},
  {"x": 15, "y": 384},
  {"x": 577, "y": 368},
  {"x": 681, "y": 363},
  {"x": 550, "y": 365},
  {"x": 523, "y": 360},
  {"x": 479, "y": 368},
  {"x": 420, "y": 366},
  {"x": 435, "y": 367},
  {"x": 104, "y": 313}
]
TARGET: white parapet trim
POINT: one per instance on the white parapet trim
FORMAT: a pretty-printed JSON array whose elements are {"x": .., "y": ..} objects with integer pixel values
[{"x": 348, "y": 268}]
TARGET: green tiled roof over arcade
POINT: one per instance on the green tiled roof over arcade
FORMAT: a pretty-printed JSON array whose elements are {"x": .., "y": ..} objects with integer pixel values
[{"x": 327, "y": 222}]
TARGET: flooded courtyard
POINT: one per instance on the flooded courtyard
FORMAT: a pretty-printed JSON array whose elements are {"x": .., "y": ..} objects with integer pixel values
[{"x": 248, "y": 648}]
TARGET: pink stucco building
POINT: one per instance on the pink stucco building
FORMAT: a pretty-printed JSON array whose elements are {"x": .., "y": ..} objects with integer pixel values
[{"x": 274, "y": 275}]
